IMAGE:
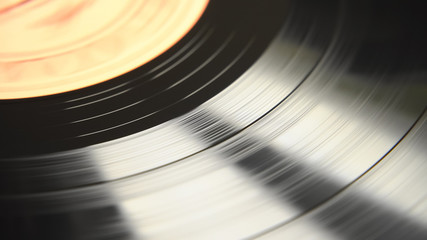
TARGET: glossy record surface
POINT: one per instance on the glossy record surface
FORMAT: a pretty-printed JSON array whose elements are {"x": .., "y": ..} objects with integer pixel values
[{"x": 321, "y": 135}]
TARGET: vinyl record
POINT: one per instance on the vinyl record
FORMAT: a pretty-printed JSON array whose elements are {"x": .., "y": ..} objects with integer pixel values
[{"x": 274, "y": 119}]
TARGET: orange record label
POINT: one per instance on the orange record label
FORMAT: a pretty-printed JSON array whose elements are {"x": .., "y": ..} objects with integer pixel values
[{"x": 55, "y": 46}]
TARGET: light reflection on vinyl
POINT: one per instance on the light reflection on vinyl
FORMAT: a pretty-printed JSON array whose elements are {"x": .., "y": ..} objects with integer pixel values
[{"x": 268, "y": 120}]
